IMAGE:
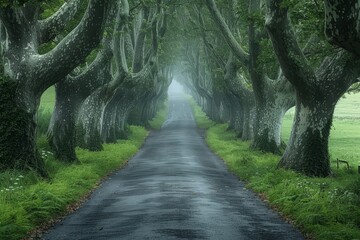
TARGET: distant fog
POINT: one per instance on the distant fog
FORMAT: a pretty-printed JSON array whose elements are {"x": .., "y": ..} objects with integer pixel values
[{"x": 175, "y": 89}]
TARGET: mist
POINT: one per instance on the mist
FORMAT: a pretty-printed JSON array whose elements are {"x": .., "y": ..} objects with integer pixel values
[{"x": 175, "y": 89}]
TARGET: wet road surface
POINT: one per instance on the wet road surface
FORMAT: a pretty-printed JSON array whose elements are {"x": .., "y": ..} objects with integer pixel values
[{"x": 174, "y": 188}]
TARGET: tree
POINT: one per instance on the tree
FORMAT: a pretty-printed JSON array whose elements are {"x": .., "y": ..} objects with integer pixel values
[
  {"x": 273, "y": 97},
  {"x": 317, "y": 92},
  {"x": 70, "y": 94},
  {"x": 28, "y": 74},
  {"x": 110, "y": 104}
]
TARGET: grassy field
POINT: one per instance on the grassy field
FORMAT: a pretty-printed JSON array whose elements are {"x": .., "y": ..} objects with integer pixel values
[
  {"x": 26, "y": 201},
  {"x": 322, "y": 208}
]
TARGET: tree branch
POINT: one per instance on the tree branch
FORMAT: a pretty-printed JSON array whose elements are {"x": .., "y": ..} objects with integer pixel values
[
  {"x": 294, "y": 65},
  {"x": 138, "y": 59},
  {"x": 101, "y": 61},
  {"x": 71, "y": 51},
  {"x": 50, "y": 27},
  {"x": 119, "y": 38},
  {"x": 224, "y": 28}
]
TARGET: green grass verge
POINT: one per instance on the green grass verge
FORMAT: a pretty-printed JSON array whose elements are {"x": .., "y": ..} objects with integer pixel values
[
  {"x": 323, "y": 208},
  {"x": 27, "y": 201},
  {"x": 160, "y": 117}
]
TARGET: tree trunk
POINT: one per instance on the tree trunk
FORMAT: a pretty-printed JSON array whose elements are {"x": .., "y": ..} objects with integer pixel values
[
  {"x": 31, "y": 74},
  {"x": 61, "y": 133},
  {"x": 248, "y": 131},
  {"x": 307, "y": 150},
  {"x": 267, "y": 129},
  {"x": 18, "y": 129},
  {"x": 89, "y": 119},
  {"x": 122, "y": 132},
  {"x": 236, "y": 115},
  {"x": 316, "y": 94}
]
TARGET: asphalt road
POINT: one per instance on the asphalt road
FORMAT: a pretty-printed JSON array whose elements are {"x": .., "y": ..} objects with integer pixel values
[{"x": 174, "y": 188}]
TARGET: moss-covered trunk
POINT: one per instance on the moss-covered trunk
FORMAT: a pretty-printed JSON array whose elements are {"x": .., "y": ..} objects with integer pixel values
[
  {"x": 307, "y": 150},
  {"x": 89, "y": 120},
  {"x": 267, "y": 128},
  {"x": 61, "y": 132},
  {"x": 18, "y": 129},
  {"x": 248, "y": 132}
]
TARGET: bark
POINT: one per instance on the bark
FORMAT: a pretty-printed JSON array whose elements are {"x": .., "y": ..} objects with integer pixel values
[
  {"x": 33, "y": 73},
  {"x": 70, "y": 94},
  {"x": 89, "y": 119},
  {"x": 236, "y": 116},
  {"x": 61, "y": 133},
  {"x": 115, "y": 115},
  {"x": 270, "y": 101},
  {"x": 230, "y": 39},
  {"x": 50, "y": 27},
  {"x": 245, "y": 97},
  {"x": 138, "y": 61},
  {"x": 342, "y": 24},
  {"x": 18, "y": 132},
  {"x": 316, "y": 95},
  {"x": 96, "y": 103}
]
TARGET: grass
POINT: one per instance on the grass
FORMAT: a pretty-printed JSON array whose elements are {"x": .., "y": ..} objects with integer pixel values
[
  {"x": 161, "y": 116},
  {"x": 323, "y": 208},
  {"x": 27, "y": 202}
]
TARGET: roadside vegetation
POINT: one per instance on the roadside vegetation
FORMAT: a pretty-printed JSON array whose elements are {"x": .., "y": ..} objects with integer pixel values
[
  {"x": 161, "y": 116},
  {"x": 28, "y": 201},
  {"x": 323, "y": 208}
]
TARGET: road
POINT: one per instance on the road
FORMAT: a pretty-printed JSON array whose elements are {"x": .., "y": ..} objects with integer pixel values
[{"x": 174, "y": 188}]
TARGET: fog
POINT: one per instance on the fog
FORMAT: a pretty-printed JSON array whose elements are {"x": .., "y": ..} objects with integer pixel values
[{"x": 175, "y": 89}]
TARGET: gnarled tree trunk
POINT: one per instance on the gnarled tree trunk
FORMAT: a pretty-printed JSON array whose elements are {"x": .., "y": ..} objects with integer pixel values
[
  {"x": 316, "y": 94},
  {"x": 32, "y": 73}
]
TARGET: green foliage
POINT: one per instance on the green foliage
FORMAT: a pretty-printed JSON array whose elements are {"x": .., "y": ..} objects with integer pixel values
[
  {"x": 50, "y": 7},
  {"x": 325, "y": 208},
  {"x": 27, "y": 201},
  {"x": 202, "y": 120},
  {"x": 47, "y": 101}
]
